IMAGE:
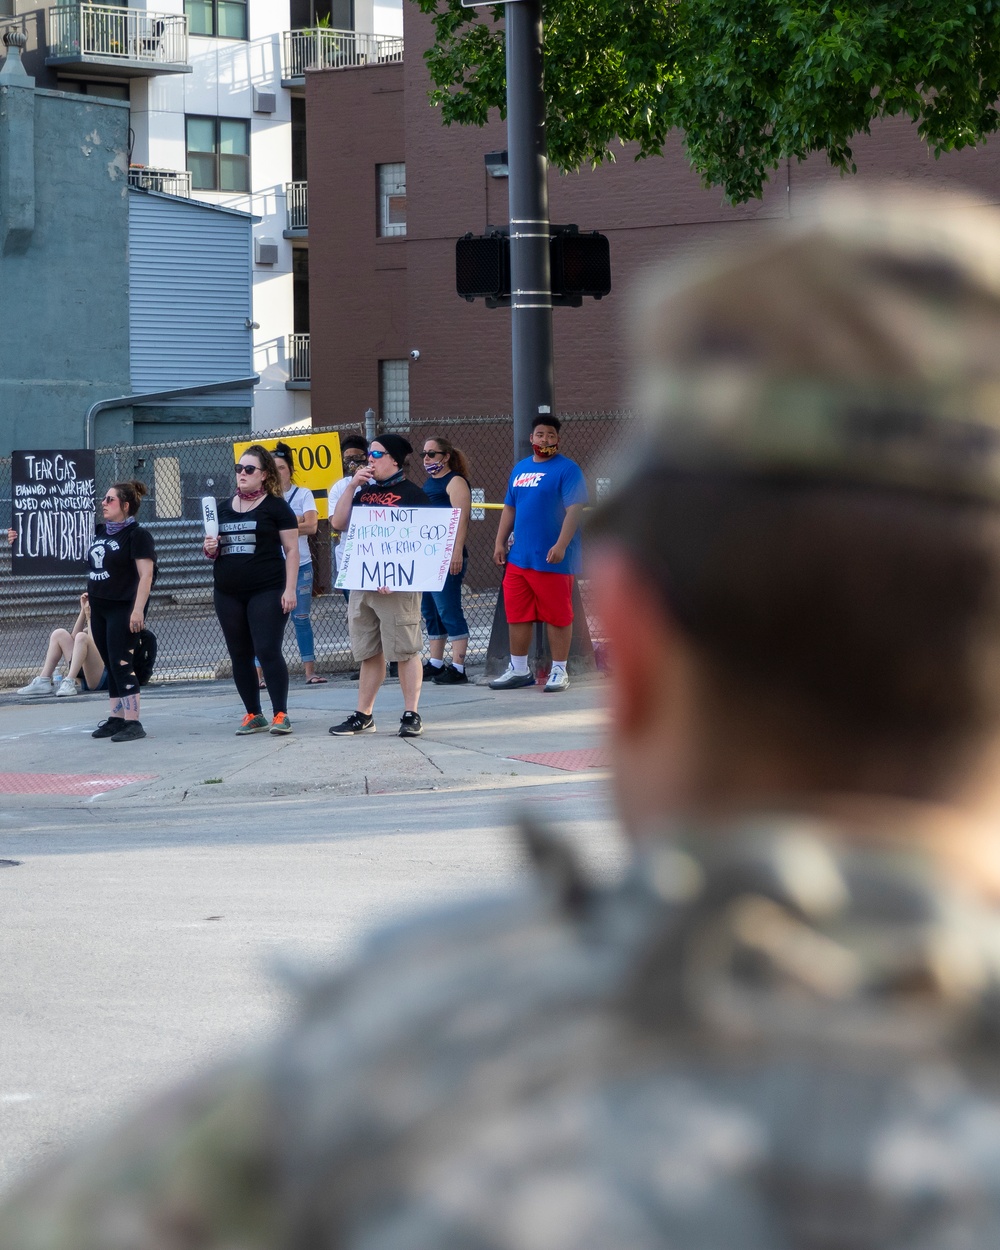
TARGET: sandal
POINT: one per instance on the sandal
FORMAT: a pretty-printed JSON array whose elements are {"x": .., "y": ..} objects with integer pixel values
[{"x": 316, "y": 680}]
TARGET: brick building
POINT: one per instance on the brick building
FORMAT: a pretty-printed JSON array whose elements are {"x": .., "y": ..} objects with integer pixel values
[{"x": 382, "y": 259}]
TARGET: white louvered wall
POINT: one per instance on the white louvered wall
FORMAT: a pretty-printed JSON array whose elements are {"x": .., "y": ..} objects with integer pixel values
[{"x": 189, "y": 297}]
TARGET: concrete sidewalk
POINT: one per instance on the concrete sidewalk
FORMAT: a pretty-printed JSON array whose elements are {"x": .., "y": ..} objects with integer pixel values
[{"x": 472, "y": 738}]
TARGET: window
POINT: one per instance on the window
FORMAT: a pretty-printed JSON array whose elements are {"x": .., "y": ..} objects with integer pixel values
[
  {"x": 391, "y": 199},
  {"x": 225, "y": 18},
  {"x": 218, "y": 154},
  {"x": 394, "y": 394},
  {"x": 109, "y": 90}
]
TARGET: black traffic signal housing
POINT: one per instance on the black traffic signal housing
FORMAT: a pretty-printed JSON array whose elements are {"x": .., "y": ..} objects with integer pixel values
[{"x": 580, "y": 266}]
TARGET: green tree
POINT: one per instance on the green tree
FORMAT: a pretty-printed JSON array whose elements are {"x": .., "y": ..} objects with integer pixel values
[{"x": 748, "y": 82}]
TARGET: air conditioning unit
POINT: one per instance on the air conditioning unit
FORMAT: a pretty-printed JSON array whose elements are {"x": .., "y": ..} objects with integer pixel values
[
  {"x": 264, "y": 101},
  {"x": 265, "y": 251}
]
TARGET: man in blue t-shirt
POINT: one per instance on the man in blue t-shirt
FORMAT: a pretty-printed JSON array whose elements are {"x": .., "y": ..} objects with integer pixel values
[{"x": 543, "y": 507}]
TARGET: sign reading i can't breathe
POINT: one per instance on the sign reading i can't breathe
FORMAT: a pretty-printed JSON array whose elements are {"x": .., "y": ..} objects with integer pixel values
[
  {"x": 53, "y": 507},
  {"x": 398, "y": 548}
]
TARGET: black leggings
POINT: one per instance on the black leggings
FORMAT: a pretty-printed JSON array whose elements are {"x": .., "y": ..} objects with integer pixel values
[
  {"x": 255, "y": 625},
  {"x": 109, "y": 623}
]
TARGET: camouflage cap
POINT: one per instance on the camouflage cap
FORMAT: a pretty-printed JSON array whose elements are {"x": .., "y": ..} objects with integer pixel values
[{"x": 859, "y": 342}]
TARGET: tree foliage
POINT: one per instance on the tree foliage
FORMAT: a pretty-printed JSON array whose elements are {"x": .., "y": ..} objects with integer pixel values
[{"x": 748, "y": 82}]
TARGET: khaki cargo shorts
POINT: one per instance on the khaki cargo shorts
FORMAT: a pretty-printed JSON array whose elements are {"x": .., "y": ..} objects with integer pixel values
[{"x": 386, "y": 623}]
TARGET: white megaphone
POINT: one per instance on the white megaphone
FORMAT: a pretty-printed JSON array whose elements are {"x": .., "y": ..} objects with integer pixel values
[{"x": 210, "y": 515}]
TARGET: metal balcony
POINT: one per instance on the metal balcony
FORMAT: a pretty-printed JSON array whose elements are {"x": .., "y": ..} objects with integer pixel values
[
  {"x": 324, "y": 48},
  {"x": 298, "y": 363},
  {"x": 169, "y": 181},
  {"x": 296, "y": 210},
  {"x": 107, "y": 40}
]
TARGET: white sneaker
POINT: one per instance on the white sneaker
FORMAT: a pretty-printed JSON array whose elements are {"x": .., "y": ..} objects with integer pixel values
[
  {"x": 38, "y": 685},
  {"x": 511, "y": 680},
  {"x": 558, "y": 680},
  {"x": 68, "y": 687}
]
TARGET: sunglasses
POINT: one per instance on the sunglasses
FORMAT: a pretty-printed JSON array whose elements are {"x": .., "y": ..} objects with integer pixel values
[
  {"x": 110, "y": 499},
  {"x": 248, "y": 468},
  {"x": 355, "y": 460},
  {"x": 434, "y": 455},
  {"x": 377, "y": 455}
]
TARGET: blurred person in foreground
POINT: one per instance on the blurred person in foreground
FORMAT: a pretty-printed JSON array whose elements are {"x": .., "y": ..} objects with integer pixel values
[{"x": 781, "y": 1030}]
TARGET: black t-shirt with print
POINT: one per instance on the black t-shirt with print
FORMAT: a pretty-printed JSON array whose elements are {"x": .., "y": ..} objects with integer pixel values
[
  {"x": 113, "y": 573},
  {"x": 399, "y": 491},
  {"x": 251, "y": 557}
]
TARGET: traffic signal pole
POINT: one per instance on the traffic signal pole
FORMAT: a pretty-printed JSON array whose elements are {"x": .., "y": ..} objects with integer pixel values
[{"x": 531, "y": 298}]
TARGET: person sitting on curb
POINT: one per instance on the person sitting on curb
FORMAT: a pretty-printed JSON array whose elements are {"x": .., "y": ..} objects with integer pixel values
[
  {"x": 384, "y": 623},
  {"x": 76, "y": 648},
  {"x": 543, "y": 508}
]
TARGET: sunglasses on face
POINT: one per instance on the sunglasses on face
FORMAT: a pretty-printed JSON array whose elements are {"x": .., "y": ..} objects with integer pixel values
[
  {"x": 433, "y": 455},
  {"x": 377, "y": 455},
  {"x": 248, "y": 468},
  {"x": 109, "y": 499},
  {"x": 355, "y": 460}
]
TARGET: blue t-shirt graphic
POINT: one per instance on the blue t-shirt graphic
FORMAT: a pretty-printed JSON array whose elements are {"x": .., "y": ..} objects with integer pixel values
[{"x": 541, "y": 493}]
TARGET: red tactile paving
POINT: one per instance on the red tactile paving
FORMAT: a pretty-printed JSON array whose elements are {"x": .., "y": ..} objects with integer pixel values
[
  {"x": 569, "y": 761},
  {"x": 68, "y": 783}
]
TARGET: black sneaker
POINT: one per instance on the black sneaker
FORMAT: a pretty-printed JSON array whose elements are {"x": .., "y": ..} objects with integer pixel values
[
  {"x": 431, "y": 670},
  {"x": 131, "y": 730},
  {"x": 356, "y": 723},
  {"x": 108, "y": 728},
  {"x": 410, "y": 725},
  {"x": 450, "y": 676}
]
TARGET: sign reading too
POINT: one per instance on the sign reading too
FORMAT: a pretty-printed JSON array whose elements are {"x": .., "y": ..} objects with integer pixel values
[{"x": 317, "y": 462}]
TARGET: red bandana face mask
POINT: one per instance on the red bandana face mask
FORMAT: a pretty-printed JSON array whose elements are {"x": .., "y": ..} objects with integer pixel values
[{"x": 545, "y": 453}]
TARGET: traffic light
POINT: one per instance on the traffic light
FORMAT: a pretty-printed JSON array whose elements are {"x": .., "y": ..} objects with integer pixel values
[
  {"x": 482, "y": 266},
  {"x": 580, "y": 266}
]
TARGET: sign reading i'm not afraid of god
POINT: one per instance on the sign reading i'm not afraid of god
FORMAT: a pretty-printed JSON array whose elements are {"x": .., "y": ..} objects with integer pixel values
[
  {"x": 397, "y": 548},
  {"x": 53, "y": 511}
]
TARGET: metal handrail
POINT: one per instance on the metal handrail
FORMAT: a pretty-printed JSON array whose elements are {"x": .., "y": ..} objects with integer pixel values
[
  {"x": 298, "y": 358},
  {"x": 169, "y": 181},
  {"x": 297, "y": 205},
  {"x": 321, "y": 47},
  {"x": 108, "y": 30}
]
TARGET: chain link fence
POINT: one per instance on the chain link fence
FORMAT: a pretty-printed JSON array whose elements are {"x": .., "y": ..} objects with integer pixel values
[{"x": 178, "y": 474}]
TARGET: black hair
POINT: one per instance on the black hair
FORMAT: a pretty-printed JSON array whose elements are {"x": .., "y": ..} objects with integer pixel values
[{"x": 553, "y": 422}]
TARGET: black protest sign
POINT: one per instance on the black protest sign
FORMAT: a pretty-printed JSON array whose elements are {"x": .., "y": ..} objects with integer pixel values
[{"x": 53, "y": 506}]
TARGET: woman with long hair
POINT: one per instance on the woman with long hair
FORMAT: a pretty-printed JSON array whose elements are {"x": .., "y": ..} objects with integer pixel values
[
  {"x": 256, "y": 567},
  {"x": 447, "y": 486},
  {"x": 301, "y": 501},
  {"x": 121, "y": 559}
]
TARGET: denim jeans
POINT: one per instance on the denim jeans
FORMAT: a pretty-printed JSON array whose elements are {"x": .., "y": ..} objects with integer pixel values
[
  {"x": 442, "y": 609},
  {"x": 300, "y": 617}
]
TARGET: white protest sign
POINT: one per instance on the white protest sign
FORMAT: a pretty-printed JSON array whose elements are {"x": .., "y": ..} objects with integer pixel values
[
  {"x": 402, "y": 548},
  {"x": 210, "y": 515}
]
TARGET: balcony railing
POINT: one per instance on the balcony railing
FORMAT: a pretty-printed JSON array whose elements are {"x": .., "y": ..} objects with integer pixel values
[
  {"x": 324, "y": 48},
  {"x": 170, "y": 181},
  {"x": 298, "y": 357},
  {"x": 297, "y": 205},
  {"x": 108, "y": 32}
]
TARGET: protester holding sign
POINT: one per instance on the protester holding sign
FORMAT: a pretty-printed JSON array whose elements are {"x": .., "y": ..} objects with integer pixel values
[
  {"x": 256, "y": 558},
  {"x": 447, "y": 486},
  {"x": 384, "y": 624},
  {"x": 121, "y": 559}
]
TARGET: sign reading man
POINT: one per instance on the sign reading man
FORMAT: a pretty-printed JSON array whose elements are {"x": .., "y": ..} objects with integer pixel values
[
  {"x": 398, "y": 548},
  {"x": 53, "y": 511}
]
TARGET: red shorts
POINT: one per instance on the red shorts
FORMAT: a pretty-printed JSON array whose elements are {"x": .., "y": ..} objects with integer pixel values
[{"x": 530, "y": 595}]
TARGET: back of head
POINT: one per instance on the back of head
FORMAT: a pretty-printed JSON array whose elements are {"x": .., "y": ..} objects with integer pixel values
[{"x": 817, "y": 494}]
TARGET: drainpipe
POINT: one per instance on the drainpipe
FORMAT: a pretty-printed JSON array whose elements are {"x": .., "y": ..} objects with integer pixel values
[{"x": 145, "y": 397}]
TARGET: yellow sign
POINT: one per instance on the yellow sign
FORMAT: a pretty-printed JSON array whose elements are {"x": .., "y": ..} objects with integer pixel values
[{"x": 317, "y": 459}]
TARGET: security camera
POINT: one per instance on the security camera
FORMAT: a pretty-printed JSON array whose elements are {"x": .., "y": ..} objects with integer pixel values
[{"x": 414, "y": 355}]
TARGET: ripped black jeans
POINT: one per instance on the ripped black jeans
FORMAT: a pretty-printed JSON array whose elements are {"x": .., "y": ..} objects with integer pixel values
[{"x": 109, "y": 620}]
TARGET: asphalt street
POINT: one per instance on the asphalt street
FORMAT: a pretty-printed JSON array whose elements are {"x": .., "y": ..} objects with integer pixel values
[{"x": 165, "y": 894}]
